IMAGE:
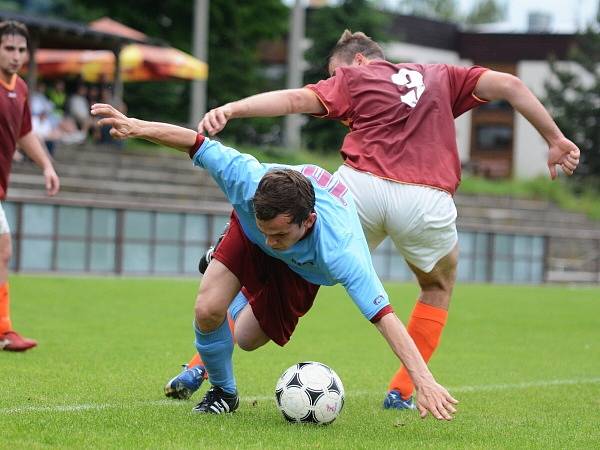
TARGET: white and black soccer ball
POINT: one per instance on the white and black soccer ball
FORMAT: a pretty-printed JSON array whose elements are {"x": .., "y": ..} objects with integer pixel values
[{"x": 310, "y": 392}]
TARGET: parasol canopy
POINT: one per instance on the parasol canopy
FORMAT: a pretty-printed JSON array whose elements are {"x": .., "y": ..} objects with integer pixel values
[{"x": 138, "y": 63}]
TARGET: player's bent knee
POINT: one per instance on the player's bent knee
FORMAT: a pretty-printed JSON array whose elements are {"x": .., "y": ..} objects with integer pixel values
[
  {"x": 247, "y": 345},
  {"x": 208, "y": 318},
  {"x": 250, "y": 343}
]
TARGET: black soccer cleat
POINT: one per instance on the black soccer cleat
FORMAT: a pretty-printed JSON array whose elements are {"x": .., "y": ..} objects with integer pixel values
[
  {"x": 203, "y": 263},
  {"x": 217, "y": 401},
  {"x": 207, "y": 257}
]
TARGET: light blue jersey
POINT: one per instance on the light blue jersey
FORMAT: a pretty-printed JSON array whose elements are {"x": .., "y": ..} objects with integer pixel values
[{"x": 334, "y": 252}]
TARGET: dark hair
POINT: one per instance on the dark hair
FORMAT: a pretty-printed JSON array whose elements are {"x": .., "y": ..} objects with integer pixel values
[
  {"x": 11, "y": 27},
  {"x": 350, "y": 44},
  {"x": 284, "y": 191}
]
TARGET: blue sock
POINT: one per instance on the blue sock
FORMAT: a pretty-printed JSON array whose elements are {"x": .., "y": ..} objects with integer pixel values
[
  {"x": 216, "y": 348},
  {"x": 235, "y": 308}
]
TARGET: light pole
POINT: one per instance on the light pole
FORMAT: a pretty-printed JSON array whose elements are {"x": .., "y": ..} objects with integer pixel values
[
  {"x": 200, "y": 51},
  {"x": 294, "y": 75}
]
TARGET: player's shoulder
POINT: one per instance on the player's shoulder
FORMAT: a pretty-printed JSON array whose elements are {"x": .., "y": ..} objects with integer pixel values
[
  {"x": 418, "y": 67},
  {"x": 375, "y": 65},
  {"x": 21, "y": 84}
]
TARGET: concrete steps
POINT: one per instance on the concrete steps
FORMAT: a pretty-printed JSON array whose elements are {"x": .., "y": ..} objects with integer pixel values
[
  {"x": 113, "y": 178},
  {"x": 92, "y": 174},
  {"x": 100, "y": 173}
]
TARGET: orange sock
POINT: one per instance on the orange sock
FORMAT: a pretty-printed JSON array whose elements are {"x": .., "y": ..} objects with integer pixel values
[
  {"x": 5, "y": 324},
  {"x": 425, "y": 327},
  {"x": 197, "y": 359}
]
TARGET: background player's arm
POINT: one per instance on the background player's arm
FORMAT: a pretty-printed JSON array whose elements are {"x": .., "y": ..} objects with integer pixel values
[
  {"x": 124, "y": 127},
  {"x": 494, "y": 85},
  {"x": 236, "y": 174},
  {"x": 32, "y": 147},
  {"x": 268, "y": 104}
]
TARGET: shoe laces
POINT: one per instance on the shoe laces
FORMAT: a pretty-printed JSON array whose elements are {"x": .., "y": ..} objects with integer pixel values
[
  {"x": 212, "y": 396},
  {"x": 209, "y": 253},
  {"x": 197, "y": 372}
]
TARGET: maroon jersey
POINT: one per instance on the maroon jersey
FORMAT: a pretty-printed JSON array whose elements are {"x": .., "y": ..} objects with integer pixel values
[
  {"x": 15, "y": 122},
  {"x": 401, "y": 118}
]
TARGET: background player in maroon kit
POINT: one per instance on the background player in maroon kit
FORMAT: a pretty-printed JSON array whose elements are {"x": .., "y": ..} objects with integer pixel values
[
  {"x": 401, "y": 161},
  {"x": 15, "y": 129}
]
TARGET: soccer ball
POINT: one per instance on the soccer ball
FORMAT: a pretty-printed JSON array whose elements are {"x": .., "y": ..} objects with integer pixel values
[{"x": 310, "y": 392}]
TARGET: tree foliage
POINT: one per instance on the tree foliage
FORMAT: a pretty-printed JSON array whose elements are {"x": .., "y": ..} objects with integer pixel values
[
  {"x": 435, "y": 9},
  {"x": 324, "y": 27},
  {"x": 236, "y": 27},
  {"x": 235, "y": 71},
  {"x": 483, "y": 11},
  {"x": 486, "y": 11},
  {"x": 574, "y": 99}
]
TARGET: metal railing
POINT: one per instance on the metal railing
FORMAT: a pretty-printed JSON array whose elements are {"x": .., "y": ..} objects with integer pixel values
[{"x": 135, "y": 239}]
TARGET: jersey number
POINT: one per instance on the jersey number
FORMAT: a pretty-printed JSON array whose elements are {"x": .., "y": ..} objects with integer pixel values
[
  {"x": 324, "y": 180},
  {"x": 413, "y": 80}
]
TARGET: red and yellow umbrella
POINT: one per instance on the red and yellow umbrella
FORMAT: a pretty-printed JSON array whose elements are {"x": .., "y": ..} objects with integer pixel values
[{"x": 138, "y": 63}]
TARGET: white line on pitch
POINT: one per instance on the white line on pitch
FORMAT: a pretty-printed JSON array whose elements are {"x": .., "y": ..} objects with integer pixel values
[
  {"x": 458, "y": 389},
  {"x": 524, "y": 385}
]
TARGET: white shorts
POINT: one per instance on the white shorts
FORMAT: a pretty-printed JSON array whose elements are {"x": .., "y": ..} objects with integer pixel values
[
  {"x": 4, "y": 228},
  {"x": 420, "y": 220}
]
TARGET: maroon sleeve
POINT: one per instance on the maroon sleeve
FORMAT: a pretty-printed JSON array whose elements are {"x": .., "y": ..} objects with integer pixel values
[
  {"x": 387, "y": 309},
  {"x": 194, "y": 148},
  {"x": 462, "y": 84},
  {"x": 26, "y": 120},
  {"x": 333, "y": 94}
]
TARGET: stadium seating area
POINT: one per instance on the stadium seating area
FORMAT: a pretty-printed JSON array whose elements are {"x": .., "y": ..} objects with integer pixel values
[
  {"x": 96, "y": 175},
  {"x": 106, "y": 176}
]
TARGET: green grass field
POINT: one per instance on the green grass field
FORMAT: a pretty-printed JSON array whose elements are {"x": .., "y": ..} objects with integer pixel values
[{"x": 523, "y": 361}]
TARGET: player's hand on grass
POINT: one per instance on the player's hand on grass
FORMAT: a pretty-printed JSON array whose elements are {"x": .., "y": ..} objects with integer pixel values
[
  {"x": 122, "y": 127},
  {"x": 214, "y": 120},
  {"x": 565, "y": 154},
  {"x": 436, "y": 400}
]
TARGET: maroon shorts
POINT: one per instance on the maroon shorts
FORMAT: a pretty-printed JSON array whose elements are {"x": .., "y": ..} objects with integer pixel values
[{"x": 278, "y": 296}]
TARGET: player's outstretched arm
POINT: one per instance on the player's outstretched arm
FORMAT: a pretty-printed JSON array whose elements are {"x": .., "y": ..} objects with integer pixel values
[
  {"x": 268, "y": 104},
  {"x": 431, "y": 396},
  {"x": 503, "y": 86},
  {"x": 123, "y": 127}
]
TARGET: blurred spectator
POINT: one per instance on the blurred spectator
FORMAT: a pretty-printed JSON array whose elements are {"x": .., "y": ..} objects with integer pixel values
[
  {"x": 58, "y": 96},
  {"x": 38, "y": 101},
  {"x": 93, "y": 94},
  {"x": 103, "y": 133},
  {"x": 50, "y": 126},
  {"x": 79, "y": 109},
  {"x": 49, "y": 131},
  {"x": 44, "y": 129}
]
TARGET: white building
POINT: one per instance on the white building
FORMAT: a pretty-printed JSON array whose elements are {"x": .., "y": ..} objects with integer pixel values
[{"x": 492, "y": 139}]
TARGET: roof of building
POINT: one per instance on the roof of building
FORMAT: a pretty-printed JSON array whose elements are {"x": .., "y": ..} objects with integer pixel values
[
  {"x": 508, "y": 47},
  {"x": 424, "y": 32},
  {"x": 55, "y": 33},
  {"x": 480, "y": 46}
]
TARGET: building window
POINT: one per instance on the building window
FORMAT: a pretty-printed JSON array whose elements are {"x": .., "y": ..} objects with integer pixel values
[
  {"x": 494, "y": 137},
  {"x": 496, "y": 105}
]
